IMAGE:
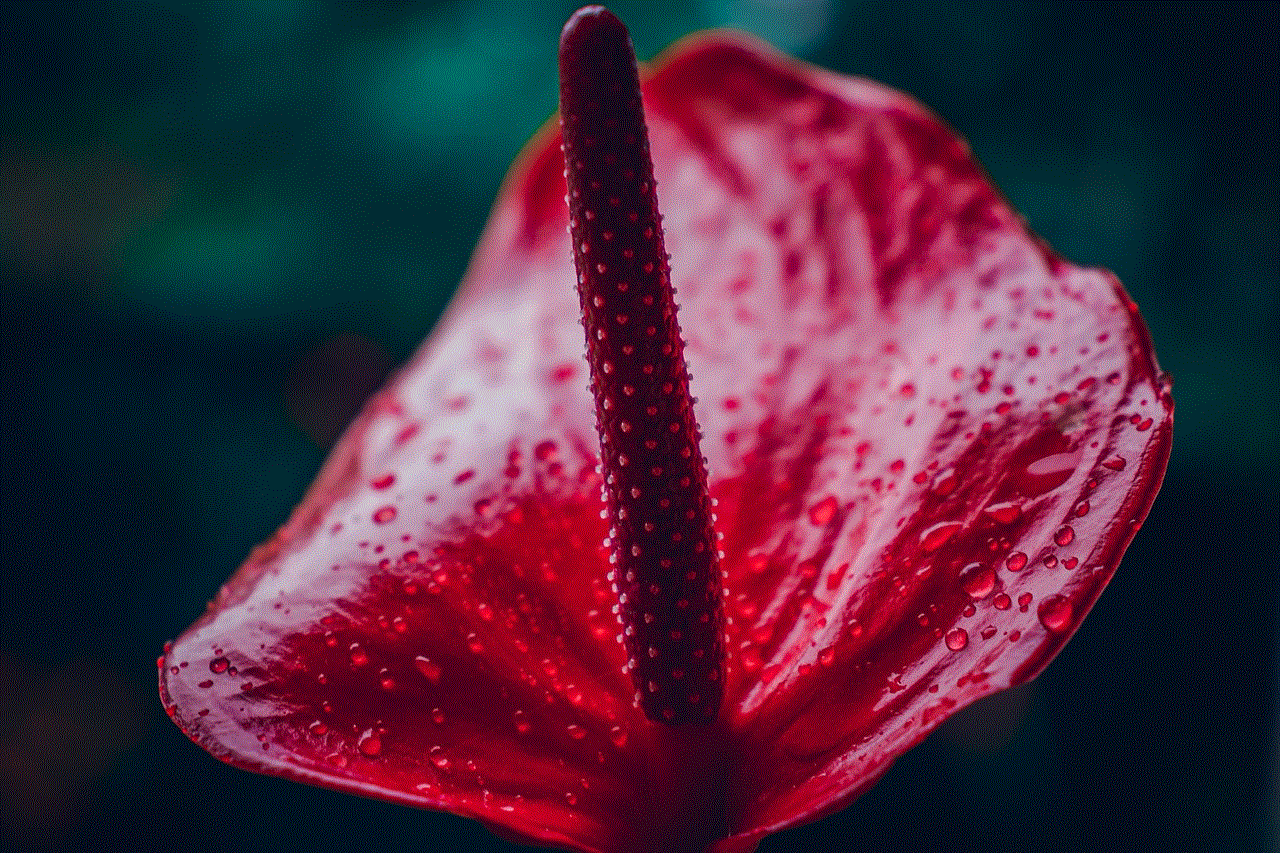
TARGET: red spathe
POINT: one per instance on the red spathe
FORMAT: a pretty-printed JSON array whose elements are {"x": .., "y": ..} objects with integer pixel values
[{"x": 929, "y": 438}]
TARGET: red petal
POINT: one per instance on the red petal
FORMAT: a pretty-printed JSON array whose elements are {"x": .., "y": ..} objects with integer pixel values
[
  {"x": 904, "y": 396},
  {"x": 930, "y": 439}
]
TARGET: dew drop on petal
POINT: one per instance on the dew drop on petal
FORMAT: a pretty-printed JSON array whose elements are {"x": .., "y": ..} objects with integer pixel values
[
  {"x": 823, "y": 511},
  {"x": 429, "y": 669},
  {"x": 1055, "y": 613},
  {"x": 1003, "y": 513},
  {"x": 1048, "y": 472},
  {"x": 957, "y": 639},
  {"x": 945, "y": 483},
  {"x": 936, "y": 536},
  {"x": 978, "y": 580},
  {"x": 369, "y": 744}
]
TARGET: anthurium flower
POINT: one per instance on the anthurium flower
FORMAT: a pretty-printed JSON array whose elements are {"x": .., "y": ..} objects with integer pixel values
[{"x": 927, "y": 442}]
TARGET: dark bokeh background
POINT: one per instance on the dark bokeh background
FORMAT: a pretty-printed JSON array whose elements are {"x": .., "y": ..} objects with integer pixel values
[{"x": 215, "y": 214}]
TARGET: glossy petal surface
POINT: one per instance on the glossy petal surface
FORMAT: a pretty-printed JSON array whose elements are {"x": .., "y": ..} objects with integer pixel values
[{"x": 930, "y": 440}]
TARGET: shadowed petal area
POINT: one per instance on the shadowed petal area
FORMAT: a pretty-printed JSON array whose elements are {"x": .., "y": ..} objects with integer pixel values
[{"x": 930, "y": 441}]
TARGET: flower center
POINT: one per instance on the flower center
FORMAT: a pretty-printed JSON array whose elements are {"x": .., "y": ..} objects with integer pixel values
[{"x": 666, "y": 568}]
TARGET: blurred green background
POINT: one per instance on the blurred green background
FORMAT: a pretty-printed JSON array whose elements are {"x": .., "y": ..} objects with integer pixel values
[{"x": 224, "y": 223}]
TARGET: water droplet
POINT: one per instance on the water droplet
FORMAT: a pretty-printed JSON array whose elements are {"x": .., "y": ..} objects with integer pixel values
[
  {"x": 1065, "y": 536},
  {"x": 618, "y": 735},
  {"x": 384, "y": 482},
  {"x": 936, "y": 536},
  {"x": 978, "y": 580},
  {"x": 437, "y": 757},
  {"x": 521, "y": 720},
  {"x": 1055, "y": 613},
  {"x": 576, "y": 731},
  {"x": 429, "y": 669},
  {"x": 1002, "y": 601},
  {"x": 385, "y": 515},
  {"x": 1004, "y": 513},
  {"x": 1048, "y": 472},
  {"x": 823, "y": 511},
  {"x": 369, "y": 744},
  {"x": 219, "y": 665},
  {"x": 358, "y": 656},
  {"x": 1016, "y": 562},
  {"x": 945, "y": 482},
  {"x": 957, "y": 639}
]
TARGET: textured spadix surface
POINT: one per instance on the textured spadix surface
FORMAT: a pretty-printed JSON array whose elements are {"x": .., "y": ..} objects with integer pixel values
[{"x": 930, "y": 441}]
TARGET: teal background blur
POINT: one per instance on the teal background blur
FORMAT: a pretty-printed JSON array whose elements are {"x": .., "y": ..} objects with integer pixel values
[{"x": 214, "y": 215}]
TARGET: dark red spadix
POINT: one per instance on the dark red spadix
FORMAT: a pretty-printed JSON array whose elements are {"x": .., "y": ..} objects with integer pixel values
[{"x": 666, "y": 572}]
